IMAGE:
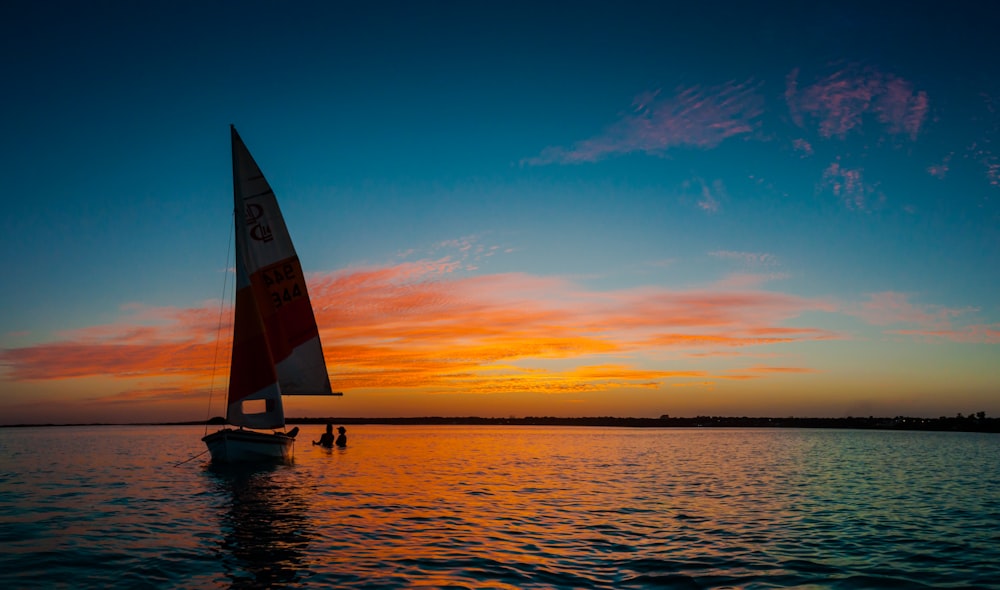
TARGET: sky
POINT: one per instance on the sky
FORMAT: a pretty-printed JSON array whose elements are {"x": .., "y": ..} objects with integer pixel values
[{"x": 510, "y": 208}]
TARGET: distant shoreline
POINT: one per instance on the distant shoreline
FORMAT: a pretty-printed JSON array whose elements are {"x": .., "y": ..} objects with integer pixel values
[{"x": 971, "y": 423}]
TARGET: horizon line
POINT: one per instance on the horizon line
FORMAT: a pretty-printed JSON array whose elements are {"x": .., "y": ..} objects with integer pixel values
[{"x": 543, "y": 420}]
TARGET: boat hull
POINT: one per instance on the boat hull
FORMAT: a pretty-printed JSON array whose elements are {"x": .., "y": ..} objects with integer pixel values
[{"x": 248, "y": 446}]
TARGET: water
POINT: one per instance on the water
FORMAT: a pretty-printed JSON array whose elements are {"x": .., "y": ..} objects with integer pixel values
[{"x": 504, "y": 507}]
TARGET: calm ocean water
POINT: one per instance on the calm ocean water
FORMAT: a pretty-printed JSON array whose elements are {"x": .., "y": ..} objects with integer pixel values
[{"x": 503, "y": 507}]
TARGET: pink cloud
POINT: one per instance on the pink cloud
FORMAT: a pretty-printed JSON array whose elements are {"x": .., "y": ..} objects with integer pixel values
[
  {"x": 981, "y": 150},
  {"x": 940, "y": 170},
  {"x": 900, "y": 108},
  {"x": 848, "y": 185},
  {"x": 142, "y": 324},
  {"x": 839, "y": 102},
  {"x": 890, "y": 307},
  {"x": 710, "y": 196},
  {"x": 757, "y": 269},
  {"x": 691, "y": 117},
  {"x": 990, "y": 162},
  {"x": 801, "y": 145},
  {"x": 993, "y": 172},
  {"x": 931, "y": 322},
  {"x": 707, "y": 196}
]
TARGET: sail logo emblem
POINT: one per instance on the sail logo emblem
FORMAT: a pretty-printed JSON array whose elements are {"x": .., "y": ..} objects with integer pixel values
[{"x": 258, "y": 231}]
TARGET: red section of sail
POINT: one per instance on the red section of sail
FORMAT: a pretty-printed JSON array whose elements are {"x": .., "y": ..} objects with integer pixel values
[
  {"x": 273, "y": 317},
  {"x": 251, "y": 369},
  {"x": 284, "y": 307}
]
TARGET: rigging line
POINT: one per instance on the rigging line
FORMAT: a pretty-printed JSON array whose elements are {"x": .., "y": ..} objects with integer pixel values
[
  {"x": 218, "y": 331},
  {"x": 192, "y": 458}
]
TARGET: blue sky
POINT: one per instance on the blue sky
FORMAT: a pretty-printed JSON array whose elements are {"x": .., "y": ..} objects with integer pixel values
[{"x": 824, "y": 177}]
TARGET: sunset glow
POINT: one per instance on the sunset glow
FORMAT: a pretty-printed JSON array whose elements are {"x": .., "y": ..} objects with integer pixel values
[{"x": 575, "y": 224}]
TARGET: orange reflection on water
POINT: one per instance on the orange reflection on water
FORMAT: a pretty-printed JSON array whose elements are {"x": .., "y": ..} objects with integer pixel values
[
  {"x": 503, "y": 507},
  {"x": 484, "y": 501}
]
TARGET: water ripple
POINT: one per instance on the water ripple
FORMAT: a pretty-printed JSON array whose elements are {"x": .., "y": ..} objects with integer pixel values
[{"x": 494, "y": 507}]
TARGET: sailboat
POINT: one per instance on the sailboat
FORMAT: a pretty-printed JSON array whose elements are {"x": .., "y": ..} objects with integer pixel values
[{"x": 276, "y": 346}]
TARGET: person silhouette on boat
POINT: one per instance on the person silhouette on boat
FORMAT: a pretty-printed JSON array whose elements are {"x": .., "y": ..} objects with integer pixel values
[
  {"x": 342, "y": 437},
  {"x": 326, "y": 440}
]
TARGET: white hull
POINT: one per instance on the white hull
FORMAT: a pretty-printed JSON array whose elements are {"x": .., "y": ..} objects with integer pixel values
[{"x": 241, "y": 446}]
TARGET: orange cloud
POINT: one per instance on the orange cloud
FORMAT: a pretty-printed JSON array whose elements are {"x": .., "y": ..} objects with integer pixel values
[
  {"x": 700, "y": 340},
  {"x": 418, "y": 326}
]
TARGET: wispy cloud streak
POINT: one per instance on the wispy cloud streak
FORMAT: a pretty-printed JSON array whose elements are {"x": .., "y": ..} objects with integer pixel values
[
  {"x": 923, "y": 322},
  {"x": 694, "y": 117},
  {"x": 751, "y": 259}
]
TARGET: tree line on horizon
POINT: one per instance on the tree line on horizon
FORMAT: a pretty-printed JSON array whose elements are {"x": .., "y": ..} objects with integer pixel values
[
  {"x": 974, "y": 422},
  {"x": 977, "y": 422}
]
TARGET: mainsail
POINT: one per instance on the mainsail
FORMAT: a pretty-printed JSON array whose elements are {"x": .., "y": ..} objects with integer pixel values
[{"x": 276, "y": 346}]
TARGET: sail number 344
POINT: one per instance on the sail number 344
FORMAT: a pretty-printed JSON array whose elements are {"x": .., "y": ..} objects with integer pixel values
[{"x": 283, "y": 285}]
